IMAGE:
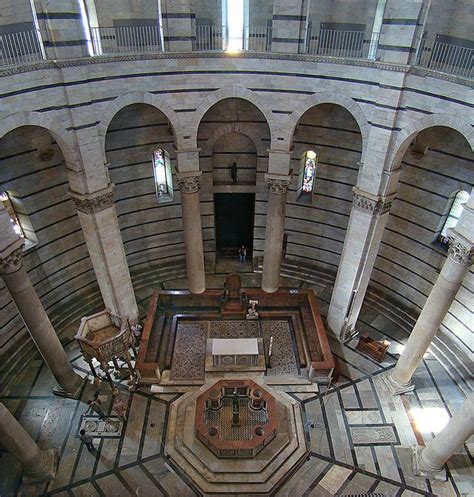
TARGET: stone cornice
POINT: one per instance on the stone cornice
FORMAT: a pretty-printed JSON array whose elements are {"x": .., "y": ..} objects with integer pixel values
[
  {"x": 105, "y": 59},
  {"x": 189, "y": 182},
  {"x": 94, "y": 202},
  {"x": 12, "y": 262},
  {"x": 371, "y": 204}
]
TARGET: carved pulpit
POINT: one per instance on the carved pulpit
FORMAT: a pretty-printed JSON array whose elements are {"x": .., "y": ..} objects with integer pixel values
[
  {"x": 233, "y": 300},
  {"x": 106, "y": 338}
]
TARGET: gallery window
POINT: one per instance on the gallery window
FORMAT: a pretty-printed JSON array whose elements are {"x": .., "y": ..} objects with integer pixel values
[
  {"x": 451, "y": 217},
  {"x": 163, "y": 176},
  {"x": 20, "y": 222}
]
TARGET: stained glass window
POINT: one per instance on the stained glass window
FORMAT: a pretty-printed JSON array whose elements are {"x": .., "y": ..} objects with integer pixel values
[
  {"x": 310, "y": 161},
  {"x": 454, "y": 214},
  {"x": 162, "y": 174},
  {"x": 25, "y": 232}
]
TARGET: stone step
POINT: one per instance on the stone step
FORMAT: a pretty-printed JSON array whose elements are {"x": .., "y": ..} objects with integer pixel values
[
  {"x": 286, "y": 380},
  {"x": 167, "y": 381},
  {"x": 311, "y": 388},
  {"x": 172, "y": 388}
]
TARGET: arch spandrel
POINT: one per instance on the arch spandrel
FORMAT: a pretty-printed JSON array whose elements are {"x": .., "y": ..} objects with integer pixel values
[
  {"x": 138, "y": 97},
  {"x": 408, "y": 133},
  {"x": 230, "y": 92},
  {"x": 63, "y": 138},
  {"x": 241, "y": 128},
  {"x": 327, "y": 97}
]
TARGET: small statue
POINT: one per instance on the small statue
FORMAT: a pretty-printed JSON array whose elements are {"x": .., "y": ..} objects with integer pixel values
[
  {"x": 233, "y": 172},
  {"x": 252, "y": 311},
  {"x": 235, "y": 410}
]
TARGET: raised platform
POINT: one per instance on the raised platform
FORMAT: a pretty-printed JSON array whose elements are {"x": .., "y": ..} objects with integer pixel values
[{"x": 179, "y": 323}]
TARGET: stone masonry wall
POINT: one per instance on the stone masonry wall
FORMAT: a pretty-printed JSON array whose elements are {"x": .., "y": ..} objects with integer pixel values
[{"x": 78, "y": 101}]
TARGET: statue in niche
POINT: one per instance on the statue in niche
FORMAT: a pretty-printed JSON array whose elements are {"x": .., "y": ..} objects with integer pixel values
[{"x": 233, "y": 172}]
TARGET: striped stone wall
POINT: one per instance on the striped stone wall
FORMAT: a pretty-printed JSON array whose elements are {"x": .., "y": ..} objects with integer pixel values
[
  {"x": 75, "y": 99},
  {"x": 58, "y": 265},
  {"x": 152, "y": 232},
  {"x": 409, "y": 260}
]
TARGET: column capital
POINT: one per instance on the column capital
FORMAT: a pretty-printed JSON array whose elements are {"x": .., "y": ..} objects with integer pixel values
[
  {"x": 460, "y": 250},
  {"x": 189, "y": 182},
  {"x": 12, "y": 260},
  {"x": 371, "y": 204},
  {"x": 277, "y": 183},
  {"x": 94, "y": 202}
]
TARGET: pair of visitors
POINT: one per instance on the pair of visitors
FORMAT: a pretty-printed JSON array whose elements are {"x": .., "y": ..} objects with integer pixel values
[
  {"x": 95, "y": 406},
  {"x": 242, "y": 254}
]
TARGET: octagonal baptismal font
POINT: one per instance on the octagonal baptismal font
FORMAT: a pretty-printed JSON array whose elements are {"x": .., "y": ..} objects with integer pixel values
[
  {"x": 236, "y": 436},
  {"x": 235, "y": 418}
]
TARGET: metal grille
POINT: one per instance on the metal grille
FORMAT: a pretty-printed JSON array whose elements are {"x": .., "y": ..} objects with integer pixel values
[{"x": 249, "y": 420}]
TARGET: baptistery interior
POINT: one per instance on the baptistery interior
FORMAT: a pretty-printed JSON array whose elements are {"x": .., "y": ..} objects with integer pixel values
[{"x": 293, "y": 177}]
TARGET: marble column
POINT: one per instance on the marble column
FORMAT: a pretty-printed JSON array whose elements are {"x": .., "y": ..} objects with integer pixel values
[
  {"x": 101, "y": 231},
  {"x": 36, "y": 320},
  {"x": 37, "y": 464},
  {"x": 398, "y": 39},
  {"x": 189, "y": 184},
  {"x": 460, "y": 257},
  {"x": 274, "y": 230},
  {"x": 63, "y": 37},
  {"x": 364, "y": 233},
  {"x": 429, "y": 461},
  {"x": 289, "y": 26}
]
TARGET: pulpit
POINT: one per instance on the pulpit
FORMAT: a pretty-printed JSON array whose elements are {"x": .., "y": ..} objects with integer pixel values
[{"x": 106, "y": 338}]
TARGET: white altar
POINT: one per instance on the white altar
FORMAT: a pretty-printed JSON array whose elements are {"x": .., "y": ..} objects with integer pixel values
[{"x": 234, "y": 354}]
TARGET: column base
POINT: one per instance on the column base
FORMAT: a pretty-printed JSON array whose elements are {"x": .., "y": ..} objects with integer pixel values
[
  {"x": 75, "y": 393},
  {"x": 396, "y": 388},
  {"x": 269, "y": 289},
  {"x": 347, "y": 334},
  {"x": 420, "y": 470},
  {"x": 47, "y": 472}
]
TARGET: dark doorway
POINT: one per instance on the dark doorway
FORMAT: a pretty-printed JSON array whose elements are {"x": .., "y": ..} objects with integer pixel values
[{"x": 234, "y": 213}]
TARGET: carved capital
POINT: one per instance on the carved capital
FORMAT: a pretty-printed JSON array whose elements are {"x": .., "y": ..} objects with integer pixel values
[
  {"x": 12, "y": 262},
  {"x": 277, "y": 184},
  {"x": 94, "y": 202},
  {"x": 189, "y": 183},
  {"x": 371, "y": 204},
  {"x": 459, "y": 251}
]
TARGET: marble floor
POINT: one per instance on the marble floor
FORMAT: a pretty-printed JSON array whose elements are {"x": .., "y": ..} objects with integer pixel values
[{"x": 359, "y": 437}]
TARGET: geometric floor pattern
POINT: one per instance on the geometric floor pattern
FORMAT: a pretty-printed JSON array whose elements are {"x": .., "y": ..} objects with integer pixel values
[
  {"x": 359, "y": 436},
  {"x": 189, "y": 354}
]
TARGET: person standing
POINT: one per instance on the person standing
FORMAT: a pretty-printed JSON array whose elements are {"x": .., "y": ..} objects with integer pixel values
[
  {"x": 242, "y": 254},
  {"x": 119, "y": 408},
  {"x": 87, "y": 440}
]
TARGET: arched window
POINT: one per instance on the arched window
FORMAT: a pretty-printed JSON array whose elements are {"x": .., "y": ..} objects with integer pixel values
[
  {"x": 309, "y": 172},
  {"x": 450, "y": 219},
  {"x": 163, "y": 176},
  {"x": 21, "y": 228}
]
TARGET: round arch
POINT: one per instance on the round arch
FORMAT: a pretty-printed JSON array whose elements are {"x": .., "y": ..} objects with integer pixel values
[
  {"x": 327, "y": 97},
  {"x": 241, "y": 128},
  {"x": 59, "y": 133},
  {"x": 225, "y": 93},
  {"x": 131, "y": 98},
  {"x": 408, "y": 133}
]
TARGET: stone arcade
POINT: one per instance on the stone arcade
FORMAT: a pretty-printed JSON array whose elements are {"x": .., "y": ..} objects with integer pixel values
[{"x": 142, "y": 143}]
